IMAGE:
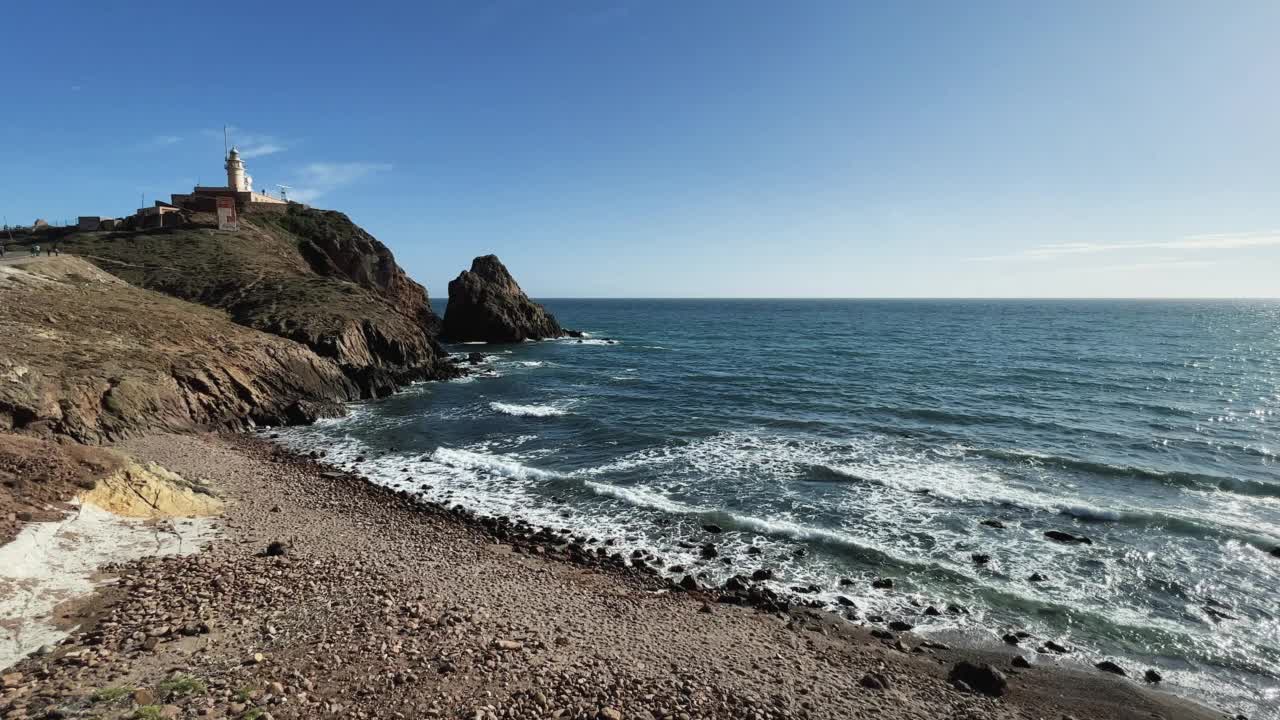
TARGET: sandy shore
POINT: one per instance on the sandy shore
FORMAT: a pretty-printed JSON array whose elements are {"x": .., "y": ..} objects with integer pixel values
[{"x": 382, "y": 608}]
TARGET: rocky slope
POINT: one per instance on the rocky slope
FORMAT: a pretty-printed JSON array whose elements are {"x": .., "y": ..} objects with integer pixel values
[
  {"x": 487, "y": 305},
  {"x": 89, "y": 357},
  {"x": 309, "y": 275}
]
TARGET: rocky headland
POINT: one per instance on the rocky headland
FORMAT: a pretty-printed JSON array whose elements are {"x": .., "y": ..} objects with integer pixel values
[{"x": 308, "y": 275}]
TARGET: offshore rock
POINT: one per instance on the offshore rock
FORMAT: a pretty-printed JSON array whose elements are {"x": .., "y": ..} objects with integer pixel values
[{"x": 487, "y": 305}]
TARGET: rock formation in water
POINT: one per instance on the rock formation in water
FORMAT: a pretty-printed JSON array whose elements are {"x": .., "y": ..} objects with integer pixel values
[{"x": 487, "y": 305}]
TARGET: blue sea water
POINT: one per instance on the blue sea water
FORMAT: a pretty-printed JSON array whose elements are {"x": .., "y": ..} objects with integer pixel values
[{"x": 877, "y": 435}]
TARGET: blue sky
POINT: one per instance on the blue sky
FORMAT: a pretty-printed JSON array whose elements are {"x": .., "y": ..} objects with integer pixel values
[{"x": 644, "y": 149}]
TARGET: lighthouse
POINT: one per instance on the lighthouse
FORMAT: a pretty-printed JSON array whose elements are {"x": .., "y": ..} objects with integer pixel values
[{"x": 236, "y": 178}]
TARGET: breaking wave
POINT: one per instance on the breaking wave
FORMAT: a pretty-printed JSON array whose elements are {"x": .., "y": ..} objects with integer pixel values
[{"x": 527, "y": 410}]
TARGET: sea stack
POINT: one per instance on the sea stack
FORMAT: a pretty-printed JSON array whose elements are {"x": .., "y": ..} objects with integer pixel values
[{"x": 487, "y": 305}]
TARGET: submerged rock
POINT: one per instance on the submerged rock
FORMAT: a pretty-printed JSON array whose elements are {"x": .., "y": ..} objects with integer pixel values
[
  {"x": 487, "y": 305},
  {"x": 1066, "y": 537},
  {"x": 992, "y": 523},
  {"x": 882, "y": 583}
]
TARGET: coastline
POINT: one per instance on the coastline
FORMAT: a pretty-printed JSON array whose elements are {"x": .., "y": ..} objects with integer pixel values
[{"x": 384, "y": 605}]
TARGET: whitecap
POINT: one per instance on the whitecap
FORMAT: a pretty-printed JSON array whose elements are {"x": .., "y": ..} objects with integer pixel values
[
  {"x": 505, "y": 466},
  {"x": 527, "y": 410}
]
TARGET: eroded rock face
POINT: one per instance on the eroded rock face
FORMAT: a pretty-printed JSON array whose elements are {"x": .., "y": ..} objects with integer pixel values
[
  {"x": 309, "y": 275},
  {"x": 487, "y": 305},
  {"x": 97, "y": 360}
]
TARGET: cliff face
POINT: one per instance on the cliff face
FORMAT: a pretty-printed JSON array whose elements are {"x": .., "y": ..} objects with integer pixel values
[
  {"x": 90, "y": 357},
  {"x": 308, "y": 275},
  {"x": 486, "y": 304}
]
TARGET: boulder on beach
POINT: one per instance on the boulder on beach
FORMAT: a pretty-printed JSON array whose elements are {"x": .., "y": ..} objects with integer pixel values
[
  {"x": 487, "y": 305},
  {"x": 1110, "y": 667},
  {"x": 978, "y": 678}
]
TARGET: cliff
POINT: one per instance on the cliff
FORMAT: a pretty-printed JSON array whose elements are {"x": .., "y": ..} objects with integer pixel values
[
  {"x": 487, "y": 305},
  {"x": 308, "y": 275},
  {"x": 90, "y": 357}
]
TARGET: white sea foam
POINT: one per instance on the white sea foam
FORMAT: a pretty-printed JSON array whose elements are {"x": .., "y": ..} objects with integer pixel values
[
  {"x": 527, "y": 410},
  {"x": 466, "y": 459},
  {"x": 642, "y": 497}
]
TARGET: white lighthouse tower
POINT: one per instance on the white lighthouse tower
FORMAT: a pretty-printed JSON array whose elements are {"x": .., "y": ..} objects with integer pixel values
[{"x": 236, "y": 178}]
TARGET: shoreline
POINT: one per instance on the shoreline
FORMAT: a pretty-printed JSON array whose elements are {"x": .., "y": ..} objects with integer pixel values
[{"x": 419, "y": 609}]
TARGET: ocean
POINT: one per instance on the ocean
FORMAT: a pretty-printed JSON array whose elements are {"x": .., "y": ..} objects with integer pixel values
[{"x": 862, "y": 439}]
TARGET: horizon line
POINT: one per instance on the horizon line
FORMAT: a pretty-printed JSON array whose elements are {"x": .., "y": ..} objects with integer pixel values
[{"x": 1170, "y": 298}]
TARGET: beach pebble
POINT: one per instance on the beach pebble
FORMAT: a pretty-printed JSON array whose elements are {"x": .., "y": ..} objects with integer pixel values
[
  {"x": 882, "y": 583},
  {"x": 1020, "y": 662},
  {"x": 1153, "y": 676}
]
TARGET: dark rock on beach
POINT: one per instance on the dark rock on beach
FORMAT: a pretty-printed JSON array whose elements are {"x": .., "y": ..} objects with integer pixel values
[
  {"x": 992, "y": 523},
  {"x": 487, "y": 305},
  {"x": 882, "y": 583},
  {"x": 1152, "y": 676},
  {"x": 1110, "y": 667},
  {"x": 982, "y": 678}
]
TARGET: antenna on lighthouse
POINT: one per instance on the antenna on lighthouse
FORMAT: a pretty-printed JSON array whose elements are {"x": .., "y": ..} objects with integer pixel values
[
  {"x": 225, "y": 149},
  {"x": 284, "y": 191}
]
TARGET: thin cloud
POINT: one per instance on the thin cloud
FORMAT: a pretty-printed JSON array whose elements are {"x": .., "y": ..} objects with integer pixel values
[
  {"x": 317, "y": 179},
  {"x": 1157, "y": 264},
  {"x": 160, "y": 141},
  {"x": 251, "y": 145},
  {"x": 1216, "y": 241},
  {"x": 258, "y": 150}
]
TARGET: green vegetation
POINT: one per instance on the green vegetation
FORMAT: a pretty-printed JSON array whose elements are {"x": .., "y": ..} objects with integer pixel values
[
  {"x": 109, "y": 694},
  {"x": 253, "y": 714},
  {"x": 180, "y": 686},
  {"x": 244, "y": 694},
  {"x": 148, "y": 712}
]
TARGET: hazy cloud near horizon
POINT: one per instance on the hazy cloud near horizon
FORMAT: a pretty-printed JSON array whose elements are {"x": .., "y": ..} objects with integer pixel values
[{"x": 1217, "y": 241}]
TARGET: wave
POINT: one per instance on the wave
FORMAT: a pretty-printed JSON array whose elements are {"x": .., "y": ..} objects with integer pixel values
[
  {"x": 527, "y": 410},
  {"x": 1191, "y": 481},
  {"x": 495, "y": 464},
  {"x": 988, "y": 489}
]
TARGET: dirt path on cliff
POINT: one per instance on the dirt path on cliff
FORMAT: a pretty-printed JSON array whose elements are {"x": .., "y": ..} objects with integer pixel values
[{"x": 379, "y": 609}]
